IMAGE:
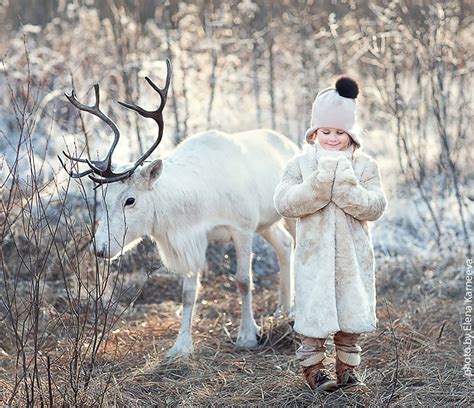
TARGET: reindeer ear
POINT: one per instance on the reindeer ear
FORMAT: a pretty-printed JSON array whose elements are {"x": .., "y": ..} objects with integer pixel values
[{"x": 151, "y": 172}]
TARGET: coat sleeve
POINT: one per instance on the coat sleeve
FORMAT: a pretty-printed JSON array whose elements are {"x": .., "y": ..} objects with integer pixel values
[
  {"x": 295, "y": 197},
  {"x": 364, "y": 200}
]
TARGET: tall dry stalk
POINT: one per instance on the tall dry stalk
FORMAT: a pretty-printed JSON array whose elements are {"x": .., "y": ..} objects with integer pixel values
[{"x": 59, "y": 303}]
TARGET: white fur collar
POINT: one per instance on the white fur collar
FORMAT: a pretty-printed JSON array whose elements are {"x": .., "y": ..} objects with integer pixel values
[{"x": 321, "y": 152}]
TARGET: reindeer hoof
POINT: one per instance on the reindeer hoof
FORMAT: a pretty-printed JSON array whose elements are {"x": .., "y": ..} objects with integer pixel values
[
  {"x": 247, "y": 343},
  {"x": 248, "y": 339},
  {"x": 178, "y": 352}
]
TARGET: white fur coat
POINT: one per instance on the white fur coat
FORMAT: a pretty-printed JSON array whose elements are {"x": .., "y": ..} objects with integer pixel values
[{"x": 333, "y": 197}]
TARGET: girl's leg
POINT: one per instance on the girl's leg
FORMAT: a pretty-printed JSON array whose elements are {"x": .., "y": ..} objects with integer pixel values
[
  {"x": 312, "y": 351},
  {"x": 347, "y": 358},
  {"x": 311, "y": 355}
]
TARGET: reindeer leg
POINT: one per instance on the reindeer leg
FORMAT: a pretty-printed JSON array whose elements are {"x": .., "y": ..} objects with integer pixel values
[
  {"x": 282, "y": 243},
  {"x": 248, "y": 331},
  {"x": 184, "y": 342}
]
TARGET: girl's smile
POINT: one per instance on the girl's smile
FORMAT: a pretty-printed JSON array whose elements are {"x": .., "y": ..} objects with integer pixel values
[{"x": 332, "y": 138}]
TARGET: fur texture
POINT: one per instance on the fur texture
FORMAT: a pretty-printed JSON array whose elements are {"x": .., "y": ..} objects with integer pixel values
[
  {"x": 214, "y": 187},
  {"x": 208, "y": 184},
  {"x": 333, "y": 198}
]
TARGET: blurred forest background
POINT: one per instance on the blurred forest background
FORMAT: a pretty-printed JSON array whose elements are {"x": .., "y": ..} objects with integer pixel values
[{"x": 79, "y": 331}]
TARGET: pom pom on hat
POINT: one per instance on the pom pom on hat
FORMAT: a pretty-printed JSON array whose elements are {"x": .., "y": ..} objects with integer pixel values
[{"x": 347, "y": 87}]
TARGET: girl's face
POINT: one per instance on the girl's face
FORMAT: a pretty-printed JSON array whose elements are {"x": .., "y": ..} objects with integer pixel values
[{"x": 333, "y": 139}]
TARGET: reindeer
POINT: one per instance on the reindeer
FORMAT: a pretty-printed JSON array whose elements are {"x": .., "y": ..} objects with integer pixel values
[{"x": 214, "y": 187}]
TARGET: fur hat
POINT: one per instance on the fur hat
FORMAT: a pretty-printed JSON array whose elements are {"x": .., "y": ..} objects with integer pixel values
[{"x": 336, "y": 108}]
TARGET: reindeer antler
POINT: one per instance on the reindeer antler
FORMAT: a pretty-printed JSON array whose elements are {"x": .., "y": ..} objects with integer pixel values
[
  {"x": 156, "y": 115},
  {"x": 103, "y": 168}
]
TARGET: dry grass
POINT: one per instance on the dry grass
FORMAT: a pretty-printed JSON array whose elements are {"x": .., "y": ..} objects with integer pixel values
[{"x": 413, "y": 359}]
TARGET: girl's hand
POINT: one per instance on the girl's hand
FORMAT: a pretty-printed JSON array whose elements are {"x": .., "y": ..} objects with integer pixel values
[
  {"x": 345, "y": 180},
  {"x": 326, "y": 169},
  {"x": 363, "y": 199},
  {"x": 345, "y": 172}
]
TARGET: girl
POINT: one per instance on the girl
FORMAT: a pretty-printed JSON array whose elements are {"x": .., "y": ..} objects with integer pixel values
[{"x": 333, "y": 189}]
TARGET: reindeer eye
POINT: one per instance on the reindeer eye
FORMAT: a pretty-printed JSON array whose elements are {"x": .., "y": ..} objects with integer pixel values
[{"x": 130, "y": 201}]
